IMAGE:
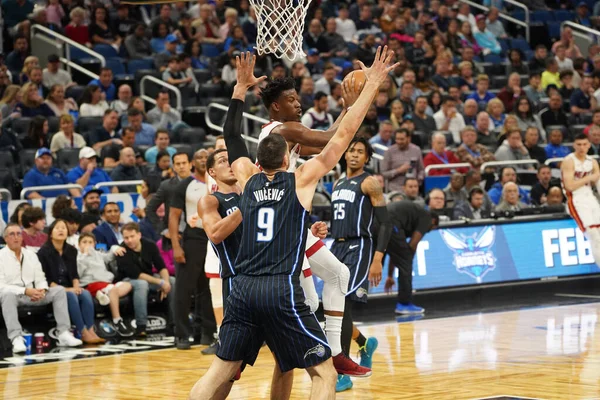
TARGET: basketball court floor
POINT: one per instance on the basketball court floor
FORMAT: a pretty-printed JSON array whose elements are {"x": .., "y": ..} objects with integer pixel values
[{"x": 549, "y": 352}]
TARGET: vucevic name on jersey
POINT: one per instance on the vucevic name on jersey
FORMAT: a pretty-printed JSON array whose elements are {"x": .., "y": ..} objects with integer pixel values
[
  {"x": 352, "y": 211},
  {"x": 227, "y": 250},
  {"x": 274, "y": 228}
]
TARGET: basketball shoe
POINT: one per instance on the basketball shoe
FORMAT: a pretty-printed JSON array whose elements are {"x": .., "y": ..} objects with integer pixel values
[
  {"x": 345, "y": 366},
  {"x": 366, "y": 352}
]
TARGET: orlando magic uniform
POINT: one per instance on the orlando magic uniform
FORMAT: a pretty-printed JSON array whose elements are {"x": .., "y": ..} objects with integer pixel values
[
  {"x": 227, "y": 250},
  {"x": 352, "y": 230},
  {"x": 266, "y": 302}
]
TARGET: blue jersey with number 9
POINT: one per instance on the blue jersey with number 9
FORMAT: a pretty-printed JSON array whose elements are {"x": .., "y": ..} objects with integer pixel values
[{"x": 274, "y": 227}]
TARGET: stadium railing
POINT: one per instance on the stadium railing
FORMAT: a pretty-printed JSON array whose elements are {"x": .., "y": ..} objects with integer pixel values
[
  {"x": 67, "y": 59},
  {"x": 559, "y": 159},
  {"x": 507, "y": 163},
  {"x": 6, "y": 194},
  {"x": 446, "y": 166},
  {"x": 164, "y": 84},
  {"x": 46, "y": 188},
  {"x": 578, "y": 30},
  {"x": 525, "y": 24},
  {"x": 119, "y": 183}
]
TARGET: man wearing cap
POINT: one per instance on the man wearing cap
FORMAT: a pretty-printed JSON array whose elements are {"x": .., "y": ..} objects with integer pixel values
[
  {"x": 87, "y": 173},
  {"x": 44, "y": 174},
  {"x": 485, "y": 38},
  {"x": 53, "y": 75},
  {"x": 162, "y": 60},
  {"x": 583, "y": 17},
  {"x": 105, "y": 82}
]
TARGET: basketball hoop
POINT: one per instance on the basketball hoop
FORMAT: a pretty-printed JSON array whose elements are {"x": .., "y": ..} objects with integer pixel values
[{"x": 280, "y": 27}]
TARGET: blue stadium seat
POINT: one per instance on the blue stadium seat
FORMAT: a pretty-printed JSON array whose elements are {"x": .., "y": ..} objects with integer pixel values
[
  {"x": 492, "y": 58},
  {"x": 504, "y": 44},
  {"x": 204, "y": 75},
  {"x": 210, "y": 50},
  {"x": 529, "y": 55},
  {"x": 338, "y": 61},
  {"x": 564, "y": 15},
  {"x": 352, "y": 47},
  {"x": 542, "y": 16},
  {"x": 117, "y": 65},
  {"x": 518, "y": 14},
  {"x": 554, "y": 30},
  {"x": 520, "y": 44},
  {"x": 75, "y": 92},
  {"x": 106, "y": 50},
  {"x": 77, "y": 54},
  {"x": 134, "y": 65}
]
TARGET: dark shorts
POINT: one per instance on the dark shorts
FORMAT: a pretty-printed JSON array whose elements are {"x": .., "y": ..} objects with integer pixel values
[
  {"x": 271, "y": 309},
  {"x": 226, "y": 286},
  {"x": 357, "y": 254}
]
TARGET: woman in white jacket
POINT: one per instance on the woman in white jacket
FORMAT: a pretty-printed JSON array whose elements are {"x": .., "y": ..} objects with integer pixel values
[{"x": 97, "y": 279}]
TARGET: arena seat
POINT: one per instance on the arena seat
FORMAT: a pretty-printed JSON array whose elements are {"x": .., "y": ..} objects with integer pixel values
[
  {"x": 7, "y": 160},
  {"x": 53, "y": 125},
  {"x": 67, "y": 159},
  {"x": 191, "y": 135},
  {"x": 21, "y": 125},
  {"x": 87, "y": 125},
  {"x": 26, "y": 160},
  {"x": 134, "y": 65},
  {"x": 184, "y": 147}
]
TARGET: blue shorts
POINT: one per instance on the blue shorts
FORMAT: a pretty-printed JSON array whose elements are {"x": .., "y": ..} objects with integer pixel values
[{"x": 357, "y": 254}]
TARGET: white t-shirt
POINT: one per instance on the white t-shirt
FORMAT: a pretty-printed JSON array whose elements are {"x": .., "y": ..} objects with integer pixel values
[
  {"x": 345, "y": 28},
  {"x": 456, "y": 124}
]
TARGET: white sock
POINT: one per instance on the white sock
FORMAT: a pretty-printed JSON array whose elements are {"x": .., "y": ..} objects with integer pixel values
[
  {"x": 333, "y": 330},
  {"x": 116, "y": 320}
]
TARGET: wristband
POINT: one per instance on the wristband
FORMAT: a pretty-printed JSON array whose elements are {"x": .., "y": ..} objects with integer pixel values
[{"x": 162, "y": 282}]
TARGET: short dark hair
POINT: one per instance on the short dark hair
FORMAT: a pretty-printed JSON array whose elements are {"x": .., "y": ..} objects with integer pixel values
[
  {"x": 127, "y": 129},
  {"x": 158, "y": 132},
  {"x": 275, "y": 88},
  {"x": 88, "y": 235},
  {"x": 271, "y": 152},
  {"x": 110, "y": 203},
  {"x": 162, "y": 91},
  {"x": 133, "y": 112},
  {"x": 410, "y": 179},
  {"x": 543, "y": 166},
  {"x": 365, "y": 142},
  {"x": 109, "y": 111},
  {"x": 180, "y": 153},
  {"x": 210, "y": 162},
  {"x": 20, "y": 36},
  {"x": 476, "y": 190},
  {"x": 581, "y": 136},
  {"x": 131, "y": 226},
  {"x": 14, "y": 218},
  {"x": 71, "y": 215},
  {"x": 319, "y": 95},
  {"x": 402, "y": 130},
  {"x": 103, "y": 69},
  {"x": 161, "y": 154},
  {"x": 564, "y": 74},
  {"x": 446, "y": 99},
  {"x": 32, "y": 215}
]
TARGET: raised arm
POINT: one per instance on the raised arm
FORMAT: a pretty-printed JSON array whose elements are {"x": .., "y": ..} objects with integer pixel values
[
  {"x": 217, "y": 228},
  {"x": 243, "y": 168},
  {"x": 308, "y": 175}
]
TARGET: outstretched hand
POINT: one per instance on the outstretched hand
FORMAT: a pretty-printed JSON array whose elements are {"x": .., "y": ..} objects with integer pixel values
[
  {"x": 244, "y": 64},
  {"x": 379, "y": 71}
]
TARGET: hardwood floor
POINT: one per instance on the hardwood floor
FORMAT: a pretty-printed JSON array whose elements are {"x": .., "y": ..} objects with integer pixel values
[{"x": 549, "y": 353}]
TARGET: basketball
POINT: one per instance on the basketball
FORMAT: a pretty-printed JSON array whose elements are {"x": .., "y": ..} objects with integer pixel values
[{"x": 359, "y": 79}]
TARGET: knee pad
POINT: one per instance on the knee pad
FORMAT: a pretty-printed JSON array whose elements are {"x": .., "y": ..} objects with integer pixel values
[
  {"x": 332, "y": 271},
  {"x": 311, "y": 298},
  {"x": 216, "y": 292}
]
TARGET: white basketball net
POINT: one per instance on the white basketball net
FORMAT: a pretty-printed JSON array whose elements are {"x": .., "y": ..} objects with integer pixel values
[{"x": 280, "y": 27}]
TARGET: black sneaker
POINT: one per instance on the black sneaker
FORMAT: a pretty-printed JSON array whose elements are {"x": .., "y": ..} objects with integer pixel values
[
  {"x": 140, "y": 331},
  {"x": 208, "y": 339},
  {"x": 211, "y": 350},
  {"x": 183, "y": 343},
  {"x": 122, "y": 329}
]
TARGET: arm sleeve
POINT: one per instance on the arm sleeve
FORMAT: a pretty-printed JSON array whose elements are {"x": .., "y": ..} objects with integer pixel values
[
  {"x": 385, "y": 228},
  {"x": 232, "y": 130}
]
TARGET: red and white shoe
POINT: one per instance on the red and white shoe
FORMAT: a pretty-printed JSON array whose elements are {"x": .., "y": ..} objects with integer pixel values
[{"x": 346, "y": 366}]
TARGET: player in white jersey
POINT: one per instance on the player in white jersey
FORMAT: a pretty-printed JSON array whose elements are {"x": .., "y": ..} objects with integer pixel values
[
  {"x": 282, "y": 101},
  {"x": 579, "y": 172}
]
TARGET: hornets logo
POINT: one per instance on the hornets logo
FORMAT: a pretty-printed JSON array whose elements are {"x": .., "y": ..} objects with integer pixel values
[{"x": 472, "y": 254}]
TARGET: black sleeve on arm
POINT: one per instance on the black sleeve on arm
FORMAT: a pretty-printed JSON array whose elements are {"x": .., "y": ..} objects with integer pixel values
[
  {"x": 232, "y": 131},
  {"x": 385, "y": 228}
]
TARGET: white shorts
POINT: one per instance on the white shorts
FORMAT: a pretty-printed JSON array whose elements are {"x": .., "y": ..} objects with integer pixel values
[
  {"x": 212, "y": 264},
  {"x": 585, "y": 210}
]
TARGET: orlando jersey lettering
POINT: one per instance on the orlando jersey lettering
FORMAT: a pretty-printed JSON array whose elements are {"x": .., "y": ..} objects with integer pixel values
[
  {"x": 274, "y": 228},
  {"x": 227, "y": 250},
  {"x": 352, "y": 211}
]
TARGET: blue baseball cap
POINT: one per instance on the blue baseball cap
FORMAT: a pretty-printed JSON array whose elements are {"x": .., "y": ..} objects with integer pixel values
[
  {"x": 313, "y": 52},
  {"x": 172, "y": 38},
  {"x": 90, "y": 189},
  {"x": 42, "y": 152}
]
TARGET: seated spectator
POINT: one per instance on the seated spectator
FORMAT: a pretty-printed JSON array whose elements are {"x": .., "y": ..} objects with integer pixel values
[
  {"x": 383, "y": 138},
  {"x": 534, "y": 91},
  {"x": 160, "y": 31},
  {"x": 482, "y": 95},
  {"x": 88, "y": 173},
  {"x": 137, "y": 44},
  {"x": 551, "y": 76},
  {"x": 54, "y": 75},
  {"x": 335, "y": 102},
  {"x": 34, "y": 223},
  {"x": 495, "y": 110},
  {"x": 44, "y": 174},
  {"x": 164, "y": 17},
  {"x": 507, "y": 174},
  {"x": 66, "y": 138},
  {"x": 555, "y": 148},
  {"x": 407, "y": 92},
  {"x": 59, "y": 263},
  {"x": 9, "y": 100},
  {"x": 108, "y": 232},
  {"x": 402, "y": 160},
  {"x": 526, "y": 117},
  {"x": 434, "y": 101},
  {"x": 72, "y": 217},
  {"x": 161, "y": 143},
  {"x": 92, "y": 103},
  {"x": 423, "y": 122},
  {"x": 136, "y": 266},
  {"x": 17, "y": 215},
  {"x": 567, "y": 41},
  {"x": 539, "y": 191},
  {"x": 105, "y": 83},
  {"x": 555, "y": 199},
  {"x": 516, "y": 63},
  {"x": 122, "y": 24},
  {"x": 595, "y": 121},
  {"x": 564, "y": 63},
  {"x": 100, "y": 31},
  {"x": 16, "y": 58},
  {"x": 127, "y": 170},
  {"x": 176, "y": 77},
  {"x": 57, "y": 102},
  {"x": 410, "y": 192},
  {"x": 77, "y": 30},
  {"x": 472, "y": 209},
  {"x": 554, "y": 114},
  {"x": 485, "y": 135},
  {"x": 144, "y": 133},
  {"x": 111, "y": 154},
  {"x": 98, "y": 280},
  {"x": 91, "y": 206},
  {"x": 452, "y": 37},
  {"x": 454, "y": 193},
  {"x": 317, "y": 116},
  {"x": 466, "y": 81},
  {"x": 237, "y": 40},
  {"x": 494, "y": 24},
  {"x": 513, "y": 149},
  {"x": 540, "y": 57},
  {"x": 443, "y": 74},
  {"x": 486, "y": 39},
  {"x": 124, "y": 96},
  {"x": 164, "y": 58},
  {"x": 583, "y": 99},
  {"x": 335, "y": 41},
  {"x": 473, "y": 180},
  {"x": 37, "y": 134},
  {"x": 470, "y": 151},
  {"x": 594, "y": 135},
  {"x": 23, "y": 283},
  {"x": 511, "y": 92},
  {"x": 106, "y": 135},
  {"x": 449, "y": 119},
  {"x": 32, "y": 103},
  {"x": 25, "y": 74},
  {"x": 510, "y": 124},
  {"x": 228, "y": 73},
  {"x": 396, "y": 114},
  {"x": 193, "y": 48},
  {"x": 468, "y": 39},
  {"x": 162, "y": 166},
  {"x": 469, "y": 113},
  {"x": 207, "y": 26},
  {"x": 306, "y": 93},
  {"x": 567, "y": 89},
  {"x": 328, "y": 79},
  {"x": 439, "y": 155},
  {"x": 163, "y": 116},
  {"x": 532, "y": 138},
  {"x": 510, "y": 198},
  {"x": 436, "y": 201}
]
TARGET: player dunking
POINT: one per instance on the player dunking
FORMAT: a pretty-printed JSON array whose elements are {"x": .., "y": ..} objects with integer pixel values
[
  {"x": 579, "y": 172},
  {"x": 282, "y": 101},
  {"x": 266, "y": 302},
  {"x": 357, "y": 202}
]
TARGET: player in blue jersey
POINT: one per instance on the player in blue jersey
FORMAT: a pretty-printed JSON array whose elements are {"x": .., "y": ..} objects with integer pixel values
[
  {"x": 266, "y": 302},
  {"x": 358, "y": 208}
]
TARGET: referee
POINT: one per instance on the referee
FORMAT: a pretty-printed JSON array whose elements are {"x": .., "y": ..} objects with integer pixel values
[
  {"x": 411, "y": 222},
  {"x": 190, "y": 257}
]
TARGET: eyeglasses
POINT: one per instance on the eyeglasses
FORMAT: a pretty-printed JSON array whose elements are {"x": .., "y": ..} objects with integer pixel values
[{"x": 14, "y": 234}]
